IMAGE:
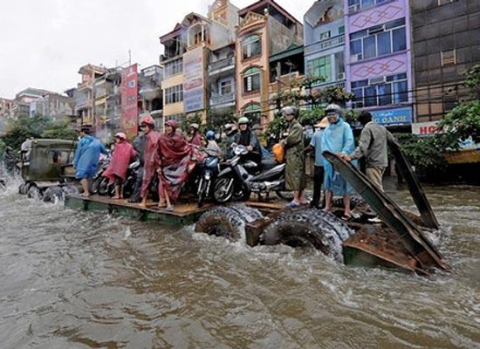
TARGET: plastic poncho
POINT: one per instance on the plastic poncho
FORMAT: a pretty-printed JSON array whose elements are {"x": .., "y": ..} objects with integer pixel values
[
  {"x": 87, "y": 155},
  {"x": 121, "y": 157},
  {"x": 295, "y": 158},
  {"x": 337, "y": 138},
  {"x": 150, "y": 157},
  {"x": 175, "y": 155}
]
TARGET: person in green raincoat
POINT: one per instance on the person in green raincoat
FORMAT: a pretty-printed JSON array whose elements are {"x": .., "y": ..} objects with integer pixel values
[{"x": 294, "y": 157}]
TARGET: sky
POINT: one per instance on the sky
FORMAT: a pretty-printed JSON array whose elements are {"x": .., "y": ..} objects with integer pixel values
[{"x": 43, "y": 43}]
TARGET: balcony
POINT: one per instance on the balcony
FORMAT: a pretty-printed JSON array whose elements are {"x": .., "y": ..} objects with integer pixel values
[
  {"x": 84, "y": 85},
  {"x": 222, "y": 65},
  {"x": 286, "y": 82},
  {"x": 325, "y": 44},
  {"x": 217, "y": 100}
]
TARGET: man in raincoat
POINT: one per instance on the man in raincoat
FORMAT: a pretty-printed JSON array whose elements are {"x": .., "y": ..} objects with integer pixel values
[
  {"x": 86, "y": 158},
  {"x": 337, "y": 138},
  {"x": 150, "y": 156},
  {"x": 116, "y": 171},
  {"x": 294, "y": 157},
  {"x": 139, "y": 146},
  {"x": 9, "y": 161}
]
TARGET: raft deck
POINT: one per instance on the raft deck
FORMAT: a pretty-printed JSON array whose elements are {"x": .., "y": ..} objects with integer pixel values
[{"x": 184, "y": 213}]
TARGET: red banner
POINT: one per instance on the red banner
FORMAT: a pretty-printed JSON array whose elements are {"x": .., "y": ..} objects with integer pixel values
[{"x": 129, "y": 93}]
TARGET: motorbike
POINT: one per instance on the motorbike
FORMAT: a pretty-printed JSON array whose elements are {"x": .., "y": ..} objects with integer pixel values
[
  {"x": 241, "y": 177},
  {"x": 101, "y": 184},
  {"x": 208, "y": 170}
]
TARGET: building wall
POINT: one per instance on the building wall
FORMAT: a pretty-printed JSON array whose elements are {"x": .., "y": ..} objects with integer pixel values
[
  {"x": 374, "y": 22},
  {"x": 449, "y": 31}
]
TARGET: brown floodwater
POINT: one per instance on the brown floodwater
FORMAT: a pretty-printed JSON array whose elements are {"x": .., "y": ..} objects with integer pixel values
[{"x": 73, "y": 279}]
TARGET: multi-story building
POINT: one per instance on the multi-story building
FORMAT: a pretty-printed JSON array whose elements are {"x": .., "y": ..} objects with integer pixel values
[
  {"x": 324, "y": 33},
  {"x": 446, "y": 42},
  {"x": 6, "y": 108},
  {"x": 378, "y": 60},
  {"x": 59, "y": 108},
  {"x": 197, "y": 45},
  {"x": 150, "y": 91},
  {"x": 85, "y": 100},
  {"x": 265, "y": 30},
  {"x": 221, "y": 77}
]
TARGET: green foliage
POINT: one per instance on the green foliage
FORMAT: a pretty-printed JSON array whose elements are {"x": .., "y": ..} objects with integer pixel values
[
  {"x": 216, "y": 121},
  {"x": 463, "y": 121},
  {"x": 38, "y": 127},
  {"x": 423, "y": 153}
]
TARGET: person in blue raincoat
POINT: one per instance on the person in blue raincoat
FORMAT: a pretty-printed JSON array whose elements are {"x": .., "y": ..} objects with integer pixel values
[
  {"x": 337, "y": 138},
  {"x": 86, "y": 158}
]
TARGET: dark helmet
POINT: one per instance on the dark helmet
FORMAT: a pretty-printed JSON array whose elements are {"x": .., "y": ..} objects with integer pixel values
[{"x": 210, "y": 135}]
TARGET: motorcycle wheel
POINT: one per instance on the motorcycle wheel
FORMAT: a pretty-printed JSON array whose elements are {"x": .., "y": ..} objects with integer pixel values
[
  {"x": 284, "y": 194},
  {"x": 221, "y": 192},
  {"x": 103, "y": 187},
  {"x": 95, "y": 185},
  {"x": 202, "y": 192}
]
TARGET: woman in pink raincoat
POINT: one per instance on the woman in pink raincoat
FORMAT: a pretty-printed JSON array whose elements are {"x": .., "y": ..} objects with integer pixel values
[
  {"x": 150, "y": 156},
  {"x": 118, "y": 167},
  {"x": 174, "y": 154}
]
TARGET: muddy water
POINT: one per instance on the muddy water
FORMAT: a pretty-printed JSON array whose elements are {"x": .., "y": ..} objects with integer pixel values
[{"x": 82, "y": 280}]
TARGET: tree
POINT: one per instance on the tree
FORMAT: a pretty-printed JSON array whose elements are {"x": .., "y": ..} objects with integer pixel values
[
  {"x": 463, "y": 121},
  {"x": 38, "y": 127}
]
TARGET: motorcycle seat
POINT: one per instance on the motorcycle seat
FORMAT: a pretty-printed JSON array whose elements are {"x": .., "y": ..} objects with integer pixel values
[{"x": 268, "y": 164}]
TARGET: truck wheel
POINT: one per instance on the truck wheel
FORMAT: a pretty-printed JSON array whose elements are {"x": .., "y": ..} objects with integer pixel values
[
  {"x": 249, "y": 214},
  {"x": 221, "y": 221},
  {"x": 52, "y": 194},
  {"x": 311, "y": 229},
  {"x": 23, "y": 188},
  {"x": 34, "y": 192}
]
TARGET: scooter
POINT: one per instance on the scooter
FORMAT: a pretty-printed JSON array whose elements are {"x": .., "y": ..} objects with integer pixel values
[
  {"x": 242, "y": 177},
  {"x": 209, "y": 169},
  {"x": 101, "y": 184}
]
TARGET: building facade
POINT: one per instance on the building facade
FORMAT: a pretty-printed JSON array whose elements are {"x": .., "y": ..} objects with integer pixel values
[
  {"x": 445, "y": 44},
  {"x": 265, "y": 30}
]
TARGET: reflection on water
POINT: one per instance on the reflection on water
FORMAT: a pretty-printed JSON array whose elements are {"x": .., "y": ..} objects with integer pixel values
[{"x": 82, "y": 280}]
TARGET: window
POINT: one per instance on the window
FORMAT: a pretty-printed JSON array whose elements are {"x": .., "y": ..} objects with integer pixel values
[
  {"x": 253, "y": 112},
  {"x": 251, "y": 80},
  {"x": 386, "y": 90},
  {"x": 357, "y": 5},
  {"x": 320, "y": 67},
  {"x": 174, "y": 94},
  {"x": 173, "y": 68},
  {"x": 225, "y": 87},
  {"x": 378, "y": 41},
  {"x": 251, "y": 46},
  {"x": 448, "y": 57},
  {"x": 325, "y": 35}
]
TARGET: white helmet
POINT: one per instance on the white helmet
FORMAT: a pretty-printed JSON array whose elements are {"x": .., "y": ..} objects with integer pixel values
[{"x": 333, "y": 107}]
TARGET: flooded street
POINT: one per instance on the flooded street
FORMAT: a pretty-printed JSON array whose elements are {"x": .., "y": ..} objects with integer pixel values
[{"x": 73, "y": 279}]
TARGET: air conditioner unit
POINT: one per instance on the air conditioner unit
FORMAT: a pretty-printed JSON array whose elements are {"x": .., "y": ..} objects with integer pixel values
[
  {"x": 341, "y": 76},
  {"x": 355, "y": 58}
]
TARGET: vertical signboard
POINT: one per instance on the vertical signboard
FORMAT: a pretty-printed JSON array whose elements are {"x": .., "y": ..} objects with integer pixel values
[
  {"x": 193, "y": 80},
  {"x": 129, "y": 93}
]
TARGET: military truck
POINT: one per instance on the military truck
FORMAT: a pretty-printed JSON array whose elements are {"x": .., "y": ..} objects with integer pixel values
[{"x": 47, "y": 170}]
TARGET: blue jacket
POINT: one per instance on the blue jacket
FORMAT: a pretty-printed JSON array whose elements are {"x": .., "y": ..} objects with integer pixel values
[{"x": 87, "y": 156}]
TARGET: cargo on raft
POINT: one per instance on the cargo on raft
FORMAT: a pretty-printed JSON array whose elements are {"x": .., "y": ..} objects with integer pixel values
[{"x": 399, "y": 241}]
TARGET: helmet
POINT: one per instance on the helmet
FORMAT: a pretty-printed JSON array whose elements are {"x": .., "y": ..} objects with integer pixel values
[
  {"x": 148, "y": 120},
  {"x": 172, "y": 123},
  {"x": 290, "y": 110},
  {"x": 210, "y": 135},
  {"x": 333, "y": 108},
  {"x": 121, "y": 135},
  {"x": 243, "y": 120},
  {"x": 194, "y": 125}
]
